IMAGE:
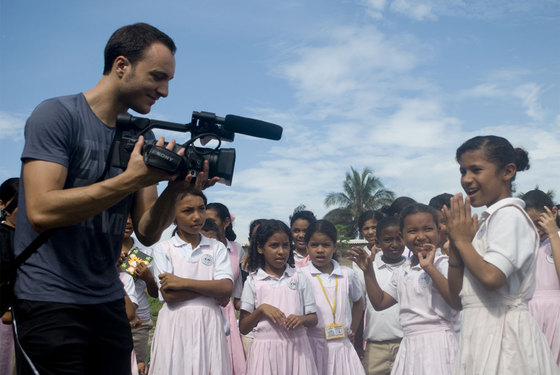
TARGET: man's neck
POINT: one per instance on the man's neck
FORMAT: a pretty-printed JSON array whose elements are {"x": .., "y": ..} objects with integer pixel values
[{"x": 103, "y": 101}]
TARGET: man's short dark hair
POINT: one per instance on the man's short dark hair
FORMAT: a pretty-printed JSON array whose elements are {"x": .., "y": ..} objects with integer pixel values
[{"x": 131, "y": 41}]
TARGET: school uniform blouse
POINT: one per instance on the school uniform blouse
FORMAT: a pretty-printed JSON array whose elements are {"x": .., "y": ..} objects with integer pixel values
[
  {"x": 511, "y": 242},
  {"x": 222, "y": 264},
  {"x": 381, "y": 325},
  {"x": 329, "y": 280},
  {"x": 249, "y": 297}
]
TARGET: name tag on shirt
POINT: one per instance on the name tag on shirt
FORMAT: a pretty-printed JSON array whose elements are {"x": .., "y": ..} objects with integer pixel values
[{"x": 334, "y": 331}]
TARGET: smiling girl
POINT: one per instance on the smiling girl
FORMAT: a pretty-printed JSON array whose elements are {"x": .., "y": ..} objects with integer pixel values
[
  {"x": 428, "y": 311},
  {"x": 492, "y": 264}
]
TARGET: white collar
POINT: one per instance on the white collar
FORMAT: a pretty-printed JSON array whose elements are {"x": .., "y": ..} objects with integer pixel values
[
  {"x": 337, "y": 270},
  {"x": 261, "y": 274},
  {"x": 379, "y": 263},
  {"x": 179, "y": 242},
  {"x": 501, "y": 203}
]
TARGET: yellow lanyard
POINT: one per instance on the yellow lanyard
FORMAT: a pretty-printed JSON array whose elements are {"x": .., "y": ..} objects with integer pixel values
[{"x": 333, "y": 307}]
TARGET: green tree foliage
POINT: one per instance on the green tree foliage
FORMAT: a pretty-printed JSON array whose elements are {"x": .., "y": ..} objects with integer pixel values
[{"x": 361, "y": 192}]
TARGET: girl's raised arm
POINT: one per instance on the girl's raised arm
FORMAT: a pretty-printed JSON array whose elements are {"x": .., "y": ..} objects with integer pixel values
[
  {"x": 547, "y": 221},
  {"x": 426, "y": 260},
  {"x": 378, "y": 298}
]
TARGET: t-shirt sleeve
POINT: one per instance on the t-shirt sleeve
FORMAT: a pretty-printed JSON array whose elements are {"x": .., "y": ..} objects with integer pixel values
[
  {"x": 511, "y": 240},
  {"x": 306, "y": 290},
  {"x": 248, "y": 297},
  {"x": 129, "y": 286},
  {"x": 222, "y": 265},
  {"x": 354, "y": 286},
  {"x": 48, "y": 133}
]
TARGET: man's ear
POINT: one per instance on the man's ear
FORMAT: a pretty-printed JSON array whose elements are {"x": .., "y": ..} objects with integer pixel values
[{"x": 121, "y": 66}]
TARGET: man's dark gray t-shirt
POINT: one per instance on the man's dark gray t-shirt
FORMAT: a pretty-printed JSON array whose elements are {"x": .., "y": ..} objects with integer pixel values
[{"x": 78, "y": 262}]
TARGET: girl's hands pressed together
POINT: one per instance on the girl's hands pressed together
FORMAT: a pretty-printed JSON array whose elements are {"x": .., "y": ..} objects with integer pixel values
[
  {"x": 461, "y": 227},
  {"x": 274, "y": 314},
  {"x": 293, "y": 321}
]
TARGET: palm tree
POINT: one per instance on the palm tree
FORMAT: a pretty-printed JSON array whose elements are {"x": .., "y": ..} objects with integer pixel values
[{"x": 362, "y": 192}]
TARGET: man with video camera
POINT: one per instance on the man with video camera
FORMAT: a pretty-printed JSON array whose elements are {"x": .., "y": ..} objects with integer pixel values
[{"x": 69, "y": 306}]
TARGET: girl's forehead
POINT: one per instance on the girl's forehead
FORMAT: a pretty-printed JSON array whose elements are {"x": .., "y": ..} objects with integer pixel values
[
  {"x": 192, "y": 199},
  {"x": 418, "y": 218},
  {"x": 279, "y": 236},
  {"x": 318, "y": 236}
]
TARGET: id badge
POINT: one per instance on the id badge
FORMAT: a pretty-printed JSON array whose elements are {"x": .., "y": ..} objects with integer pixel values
[{"x": 334, "y": 331}]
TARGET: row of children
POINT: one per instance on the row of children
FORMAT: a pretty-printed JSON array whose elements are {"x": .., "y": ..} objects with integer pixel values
[{"x": 304, "y": 318}]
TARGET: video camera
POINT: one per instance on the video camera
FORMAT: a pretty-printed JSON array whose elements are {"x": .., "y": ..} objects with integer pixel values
[{"x": 204, "y": 126}]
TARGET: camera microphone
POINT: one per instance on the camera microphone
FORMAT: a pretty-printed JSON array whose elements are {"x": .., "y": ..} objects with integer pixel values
[{"x": 252, "y": 127}]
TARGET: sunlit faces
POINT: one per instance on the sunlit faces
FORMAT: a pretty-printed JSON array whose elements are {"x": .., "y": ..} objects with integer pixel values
[
  {"x": 190, "y": 216},
  {"x": 419, "y": 229},
  {"x": 391, "y": 243},
  {"x": 534, "y": 215},
  {"x": 481, "y": 179},
  {"x": 276, "y": 252},
  {"x": 369, "y": 230},
  {"x": 321, "y": 249},
  {"x": 144, "y": 82},
  {"x": 299, "y": 227}
]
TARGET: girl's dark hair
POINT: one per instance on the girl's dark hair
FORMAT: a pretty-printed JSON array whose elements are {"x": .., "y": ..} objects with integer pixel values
[
  {"x": 223, "y": 214},
  {"x": 386, "y": 222},
  {"x": 398, "y": 206},
  {"x": 368, "y": 215},
  {"x": 537, "y": 200},
  {"x": 497, "y": 150},
  {"x": 9, "y": 188},
  {"x": 324, "y": 227},
  {"x": 417, "y": 208},
  {"x": 254, "y": 223},
  {"x": 266, "y": 229},
  {"x": 303, "y": 215},
  {"x": 443, "y": 199},
  {"x": 210, "y": 226}
]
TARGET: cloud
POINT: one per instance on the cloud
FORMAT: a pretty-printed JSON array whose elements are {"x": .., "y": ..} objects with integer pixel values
[
  {"x": 431, "y": 10},
  {"x": 417, "y": 10},
  {"x": 529, "y": 94},
  {"x": 11, "y": 125}
]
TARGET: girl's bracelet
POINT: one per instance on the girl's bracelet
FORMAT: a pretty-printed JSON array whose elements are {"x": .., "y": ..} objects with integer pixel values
[{"x": 456, "y": 265}]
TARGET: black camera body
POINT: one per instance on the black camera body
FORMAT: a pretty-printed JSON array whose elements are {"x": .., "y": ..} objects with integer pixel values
[{"x": 204, "y": 126}]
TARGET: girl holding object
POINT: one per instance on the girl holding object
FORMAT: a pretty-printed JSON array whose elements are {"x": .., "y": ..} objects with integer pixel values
[
  {"x": 194, "y": 273},
  {"x": 428, "y": 311},
  {"x": 492, "y": 264},
  {"x": 333, "y": 286},
  {"x": 278, "y": 300}
]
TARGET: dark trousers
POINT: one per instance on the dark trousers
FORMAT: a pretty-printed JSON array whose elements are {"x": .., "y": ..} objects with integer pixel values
[{"x": 64, "y": 338}]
